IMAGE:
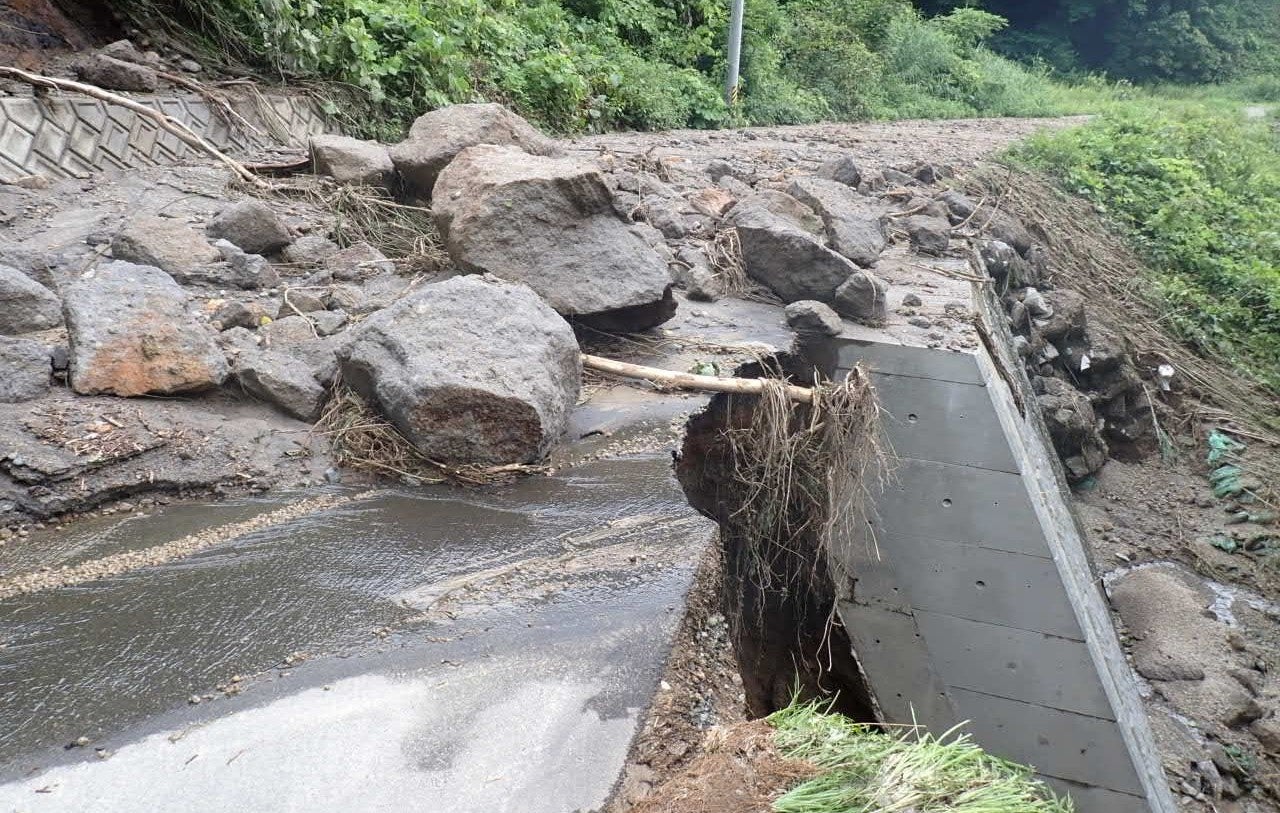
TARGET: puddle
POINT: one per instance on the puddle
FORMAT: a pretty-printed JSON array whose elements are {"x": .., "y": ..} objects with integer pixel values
[{"x": 95, "y": 659}]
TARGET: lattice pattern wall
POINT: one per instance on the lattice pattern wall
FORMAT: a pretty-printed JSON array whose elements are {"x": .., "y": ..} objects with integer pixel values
[{"x": 61, "y": 137}]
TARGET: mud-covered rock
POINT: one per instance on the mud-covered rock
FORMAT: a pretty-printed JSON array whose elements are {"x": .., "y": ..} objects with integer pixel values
[
  {"x": 25, "y": 305},
  {"x": 929, "y": 235},
  {"x": 1073, "y": 427},
  {"x": 864, "y": 297},
  {"x": 811, "y": 318},
  {"x": 779, "y": 250},
  {"x": 251, "y": 225},
  {"x": 25, "y": 368},
  {"x": 352, "y": 161},
  {"x": 131, "y": 334},
  {"x": 110, "y": 73},
  {"x": 549, "y": 223},
  {"x": 437, "y": 137},
  {"x": 470, "y": 370},
  {"x": 1067, "y": 319},
  {"x": 854, "y": 226},
  {"x": 1009, "y": 229},
  {"x": 167, "y": 243}
]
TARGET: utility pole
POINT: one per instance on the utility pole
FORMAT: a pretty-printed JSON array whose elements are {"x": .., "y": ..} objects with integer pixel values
[{"x": 735, "y": 52}]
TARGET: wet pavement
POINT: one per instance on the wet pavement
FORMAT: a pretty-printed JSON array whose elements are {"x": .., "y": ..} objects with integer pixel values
[{"x": 432, "y": 650}]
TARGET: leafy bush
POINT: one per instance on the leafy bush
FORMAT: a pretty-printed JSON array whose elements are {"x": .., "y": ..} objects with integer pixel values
[
  {"x": 574, "y": 65},
  {"x": 1200, "y": 194}
]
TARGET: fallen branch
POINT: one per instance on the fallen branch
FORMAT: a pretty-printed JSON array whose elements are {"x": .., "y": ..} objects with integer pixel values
[
  {"x": 689, "y": 381},
  {"x": 167, "y": 123}
]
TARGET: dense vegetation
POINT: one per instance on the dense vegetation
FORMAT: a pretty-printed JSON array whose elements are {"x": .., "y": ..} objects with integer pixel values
[
  {"x": 598, "y": 64},
  {"x": 1200, "y": 195},
  {"x": 1142, "y": 40}
]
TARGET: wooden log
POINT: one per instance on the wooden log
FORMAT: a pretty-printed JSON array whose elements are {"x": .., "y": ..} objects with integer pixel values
[{"x": 690, "y": 381}]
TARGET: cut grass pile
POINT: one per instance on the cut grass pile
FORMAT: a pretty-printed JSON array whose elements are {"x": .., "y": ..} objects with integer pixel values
[{"x": 866, "y": 771}]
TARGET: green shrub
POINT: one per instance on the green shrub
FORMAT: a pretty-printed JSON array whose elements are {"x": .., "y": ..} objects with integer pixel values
[{"x": 1200, "y": 195}]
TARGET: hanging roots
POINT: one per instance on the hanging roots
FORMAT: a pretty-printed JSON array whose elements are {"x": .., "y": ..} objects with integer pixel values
[
  {"x": 362, "y": 439},
  {"x": 804, "y": 470}
]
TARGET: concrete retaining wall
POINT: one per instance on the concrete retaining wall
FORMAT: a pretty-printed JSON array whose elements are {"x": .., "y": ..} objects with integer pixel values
[
  {"x": 73, "y": 136},
  {"x": 974, "y": 600}
]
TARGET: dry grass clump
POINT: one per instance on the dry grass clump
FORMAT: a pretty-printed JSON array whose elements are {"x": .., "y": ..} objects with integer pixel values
[
  {"x": 724, "y": 253},
  {"x": 804, "y": 470},
  {"x": 406, "y": 234},
  {"x": 364, "y": 440}
]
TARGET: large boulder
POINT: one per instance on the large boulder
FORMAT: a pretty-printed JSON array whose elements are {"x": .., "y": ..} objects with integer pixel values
[
  {"x": 813, "y": 319},
  {"x": 25, "y": 367},
  {"x": 251, "y": 225},
  {"x": 164, "y": 242},
  {"x": 779, "y": 250},
  {"x": 865, "y": 298},
  {"x": 437, "y": 137},
  {"x": 131, "y": 334},
  {"x": 855, "y": 227},
  {"x": 26, "y": 305},
  {"x": 470, "y": 370},
  {"x": 549, "y": 223},
  {"x": 350, "y": 160}
]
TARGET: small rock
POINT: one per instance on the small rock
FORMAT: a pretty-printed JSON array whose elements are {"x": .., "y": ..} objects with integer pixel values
[
  {"x": 813, "y": 318},
  {"x": 1267, "y": 732},
  {"x": 841, "y": 170},
  {"x": 110, "y": 73},
  {"x": 234, "y": 314},
  {"x": 296, "y": 302},
  {"x": 352, "y": 161},
  {"x": 911, "y": 301},
  {"x": 251, "y": 225},
  {"x": 919, "y": 321},
  {"x": 25, "y": 305},
  {"x": 1241, "y": 714},
  {"x": 703, "y": 285},
  {"x": 243, "y": 270},
  {"x": 328, "y": 323},
  {"x": 190, "y": 65},
  {"x": 357, "y": 261},
  {"x": 164, "y": 242},
  {"x": 35, "y": 264},
  {"x": 1003, "y": 264},
  {"x": 311, "y": 249},
  {"x": 863, "y": 297}
]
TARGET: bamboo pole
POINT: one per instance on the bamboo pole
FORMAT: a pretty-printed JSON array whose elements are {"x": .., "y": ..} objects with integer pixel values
[
  {"x": 167, "y": 123},
  {"x": 689, "y": 381}
]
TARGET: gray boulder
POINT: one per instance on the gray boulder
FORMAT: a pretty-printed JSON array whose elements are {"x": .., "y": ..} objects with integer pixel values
[
  {"x": 166, "y": 243},
  {"x": 26, "y": 305},
  {"x": 929, "y": 235},
  {"x": 810, "y": 318},
  {"x": 131, "y": 334},
  {"x": 1009, "y": 229},
  {"x": 864, "y": 297},
  {"x": 855, "y": 227},
  {"x": 549, "y": 223},
  {"x": 25, "y": 368},
  {"x": 437, "y": 137},
  {"x": 959, "y": 206},
  {"x": 842, "y": 170},
  {"x": 350, "y": 160},
  {"x": 328, "y": 323},
  {"x": 780, "y": 252},
  {"x": 702, "y": 284},
  {"x": 233, "y": 314},
  {"x": 251, "y": 225},
  {"x": 1066, "y": 320},
  {"x": 470, "y": 370},
  {"x": 110, "y": 73}
]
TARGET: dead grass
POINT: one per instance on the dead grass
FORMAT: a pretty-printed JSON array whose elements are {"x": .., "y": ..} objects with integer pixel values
[
  {"x": 362, "y": 439},
  {"x": 805, "y": 471},
  {"x": 406, "y": 234},
  {"x": 724, "y": 253}
]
